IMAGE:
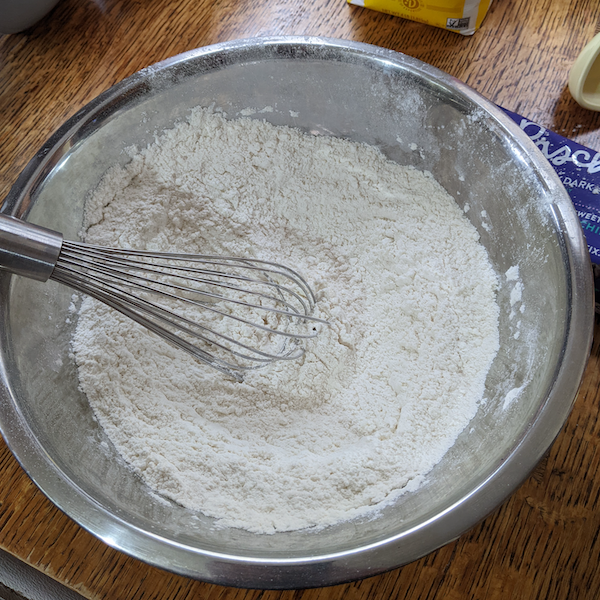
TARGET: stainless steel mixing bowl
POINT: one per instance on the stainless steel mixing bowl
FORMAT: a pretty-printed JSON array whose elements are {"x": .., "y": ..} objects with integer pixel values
[{"x": 417, "y": 115}]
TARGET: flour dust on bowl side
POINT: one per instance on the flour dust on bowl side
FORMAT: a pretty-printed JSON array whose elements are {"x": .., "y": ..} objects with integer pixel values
[{"x": 340, "y": 99}]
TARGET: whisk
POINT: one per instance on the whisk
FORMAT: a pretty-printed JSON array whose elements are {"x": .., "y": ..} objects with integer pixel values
[{"x": 234, "y": 314}]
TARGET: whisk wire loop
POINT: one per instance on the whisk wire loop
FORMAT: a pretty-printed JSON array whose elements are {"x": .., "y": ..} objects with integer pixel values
[
  {"x": 126, "y": 280},
  {"x": 114, "y": 271},
  {"x": 142, "y": 311}
]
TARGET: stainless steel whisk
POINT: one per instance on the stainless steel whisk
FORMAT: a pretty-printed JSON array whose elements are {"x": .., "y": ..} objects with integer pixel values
[{"x": 252, "y": 312}]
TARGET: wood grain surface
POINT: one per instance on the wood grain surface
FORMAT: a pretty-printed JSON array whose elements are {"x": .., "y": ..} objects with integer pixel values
[{"x": 544, "y": 541}]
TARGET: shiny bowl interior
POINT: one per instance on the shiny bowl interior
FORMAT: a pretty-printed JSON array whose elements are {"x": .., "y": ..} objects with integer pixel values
[{"x": 416, "y": 115}]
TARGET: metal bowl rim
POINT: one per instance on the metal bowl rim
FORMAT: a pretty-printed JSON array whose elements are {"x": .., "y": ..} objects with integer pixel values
[{"x": 326, "y": 569}]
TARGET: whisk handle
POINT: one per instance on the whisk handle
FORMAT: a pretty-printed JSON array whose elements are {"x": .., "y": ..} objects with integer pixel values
[{"x": 27, "y": 249}]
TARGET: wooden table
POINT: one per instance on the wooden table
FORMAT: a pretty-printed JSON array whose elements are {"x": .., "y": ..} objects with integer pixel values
[{"x": 542, "y": 543}]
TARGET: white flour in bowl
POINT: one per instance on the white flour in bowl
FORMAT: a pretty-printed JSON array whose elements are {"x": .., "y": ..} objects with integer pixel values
[{"x": 380, "y": 395}]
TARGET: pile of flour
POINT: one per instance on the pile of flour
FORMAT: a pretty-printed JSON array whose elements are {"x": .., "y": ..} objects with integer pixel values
[{"x": 380, "y": 395}]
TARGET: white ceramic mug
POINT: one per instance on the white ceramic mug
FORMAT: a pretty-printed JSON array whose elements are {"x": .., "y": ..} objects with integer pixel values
[
  {"x": 584, "y": 78},
  {"x": 17, "y": 15}
]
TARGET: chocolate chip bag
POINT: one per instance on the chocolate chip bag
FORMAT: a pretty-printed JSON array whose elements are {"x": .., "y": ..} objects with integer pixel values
[{"x": 578, "y": 167}]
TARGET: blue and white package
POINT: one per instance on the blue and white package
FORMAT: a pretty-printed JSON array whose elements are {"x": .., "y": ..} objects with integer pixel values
[{"x": 578, "y": 168}]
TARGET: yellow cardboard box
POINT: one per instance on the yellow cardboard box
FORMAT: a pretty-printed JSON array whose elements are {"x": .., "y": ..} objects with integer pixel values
[{"x": 461, "y": 16}]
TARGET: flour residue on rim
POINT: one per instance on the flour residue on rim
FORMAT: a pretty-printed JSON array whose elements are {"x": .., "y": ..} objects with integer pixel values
[{"x": 380, "y": 395}]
